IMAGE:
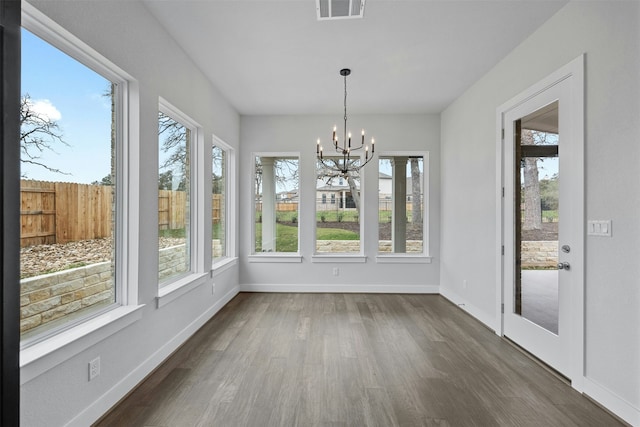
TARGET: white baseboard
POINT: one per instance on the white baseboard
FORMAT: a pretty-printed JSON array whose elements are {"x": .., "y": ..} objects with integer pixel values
[
  {"x": 333, "y": 288},
  {"x": 614, "y": 403},
  {"x": 94, "y": 411},
  {"x": 474, "y": 311}
]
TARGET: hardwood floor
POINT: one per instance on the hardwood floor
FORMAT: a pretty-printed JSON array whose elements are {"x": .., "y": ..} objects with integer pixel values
[{"x": 350, "y": 360}]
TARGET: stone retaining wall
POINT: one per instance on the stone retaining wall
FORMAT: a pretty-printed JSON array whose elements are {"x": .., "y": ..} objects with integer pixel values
[
  {"x": 171, "y": 261},
  {"x": 353, "y": 246},
  {"x": 539, "y": 254},
  {"x": 48, "y": 297}
]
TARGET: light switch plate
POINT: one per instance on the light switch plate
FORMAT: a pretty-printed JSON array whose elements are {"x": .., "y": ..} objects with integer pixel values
[{"x": 599, "y": 228}]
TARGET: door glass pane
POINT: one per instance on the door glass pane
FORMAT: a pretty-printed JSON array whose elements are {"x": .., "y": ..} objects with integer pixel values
[{"x": 536, "y": 287}]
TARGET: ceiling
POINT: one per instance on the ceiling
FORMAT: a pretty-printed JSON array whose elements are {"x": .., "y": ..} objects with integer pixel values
[{"x": 406, "y": 56}]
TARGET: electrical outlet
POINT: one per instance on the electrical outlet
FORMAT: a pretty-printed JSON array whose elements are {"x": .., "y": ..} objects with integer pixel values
[
  {"x": 94, "y": 368},
  {"x": 336, "y": 271},
  {"x": 464, "y": 283}
]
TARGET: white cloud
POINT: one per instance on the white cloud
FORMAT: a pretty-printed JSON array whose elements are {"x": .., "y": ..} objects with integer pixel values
[{"x": 45, "y": 109}]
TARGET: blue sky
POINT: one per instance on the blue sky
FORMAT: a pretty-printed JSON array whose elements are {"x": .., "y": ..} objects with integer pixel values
[{"x": 52, "y": 78}]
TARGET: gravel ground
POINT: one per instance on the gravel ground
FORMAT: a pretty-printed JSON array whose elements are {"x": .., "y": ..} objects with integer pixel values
[{"x": 41, "y": 259}]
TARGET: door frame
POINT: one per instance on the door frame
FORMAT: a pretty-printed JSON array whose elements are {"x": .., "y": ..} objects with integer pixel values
[
  {"x": 574, "y": 73},
  {"x": 10, "y": 19}
]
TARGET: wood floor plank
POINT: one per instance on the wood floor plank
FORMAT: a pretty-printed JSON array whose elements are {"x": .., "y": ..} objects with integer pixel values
[{"x": 350, "y": 360}]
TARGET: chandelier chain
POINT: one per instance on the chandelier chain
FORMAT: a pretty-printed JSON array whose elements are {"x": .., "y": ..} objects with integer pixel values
[{"x": 345, "y": 107}]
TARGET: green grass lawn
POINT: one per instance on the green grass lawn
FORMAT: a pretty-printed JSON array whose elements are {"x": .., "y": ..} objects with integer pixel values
[
  {"x": 178, "y": 232},
  {"x": 287, "y": 236},
  {"x": 550, "y": 216},
  {"x": 335, "y": 234}
]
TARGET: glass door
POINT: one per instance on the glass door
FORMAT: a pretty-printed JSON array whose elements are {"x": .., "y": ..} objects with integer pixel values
[{"x": 537, "y": 217}]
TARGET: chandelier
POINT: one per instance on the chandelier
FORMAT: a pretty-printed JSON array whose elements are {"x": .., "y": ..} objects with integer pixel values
[{"x": 344, "y": 164}]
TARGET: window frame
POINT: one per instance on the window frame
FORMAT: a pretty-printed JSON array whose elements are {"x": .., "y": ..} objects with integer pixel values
[
  {"x": 53, "y": 347},
  {"x": 230, "y": 189},
  {"x": 424, "y": 256},
  {"x": 178, "y": 285},
  {"x": 287, "y": 257}
]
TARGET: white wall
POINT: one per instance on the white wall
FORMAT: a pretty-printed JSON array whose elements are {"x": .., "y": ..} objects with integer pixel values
[
  {"x": 126, "y": 34},
  {"x": 608, "y": 32},
  {"x": 299, "y": 134}
]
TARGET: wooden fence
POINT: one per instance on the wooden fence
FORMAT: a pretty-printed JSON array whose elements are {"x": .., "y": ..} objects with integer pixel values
[
  {"x": 280, "y": 207},
  {"x": 62, "y": 212}
]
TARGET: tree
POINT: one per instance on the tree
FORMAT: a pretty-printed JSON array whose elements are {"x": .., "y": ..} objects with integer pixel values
[
  {"x": 106, "y": 180},
  {"x": 329, "y": 172},
  {"x": 38, "y": 133},
  {"x": 175, "y": 143},
  {"x": 531, "y": 184},
  {"x": 549, "y": 193},
  {"x": 217, "y": 170},
  {"x": 285, "y": 173},
  {"x": 165, "y": 180}
]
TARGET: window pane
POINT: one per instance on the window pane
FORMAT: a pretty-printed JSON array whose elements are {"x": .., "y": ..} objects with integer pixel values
[
  {"x": 401, "y": 204},
  {"x": 338, "y": 222},
  {"x": 218, "y": 202},
  {"x": 174, "y": 215},
  {"x": 276, "y": 204},
  {"x": 68, "y": 188}
]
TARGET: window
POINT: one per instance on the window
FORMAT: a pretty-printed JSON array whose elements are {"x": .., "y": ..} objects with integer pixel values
[
  {"x": 276, "y": 203},
  {"x": 223, "y": 193},
  {"x": 176, "y": 201},
  {"x": 73, "y": 168},
  {"x": 338, "y": 223},
  {"x": 401, "y": 204}
]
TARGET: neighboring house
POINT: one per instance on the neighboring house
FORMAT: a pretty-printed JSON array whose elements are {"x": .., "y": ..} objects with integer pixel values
[
  {"x": 334, "y": 193},
  {"x": 290, "y": 196}
]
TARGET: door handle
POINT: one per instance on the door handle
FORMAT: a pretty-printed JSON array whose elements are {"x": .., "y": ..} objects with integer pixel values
[{"x": 564, "y": 266}]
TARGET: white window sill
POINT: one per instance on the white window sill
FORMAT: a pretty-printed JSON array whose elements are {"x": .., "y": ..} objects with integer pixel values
[
  {"x": 341, "y": 258},
  {"x": 403, "y": 259},
  {"x": 49, "y": 353},
  {"x": 223, "y": 264},
  {"x": 271, "y": 257},
  {"x": 176, "y": 289}
]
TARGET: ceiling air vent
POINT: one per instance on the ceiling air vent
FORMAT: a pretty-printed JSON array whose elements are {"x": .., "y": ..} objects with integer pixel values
[{"x": 339, "y": 9}]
